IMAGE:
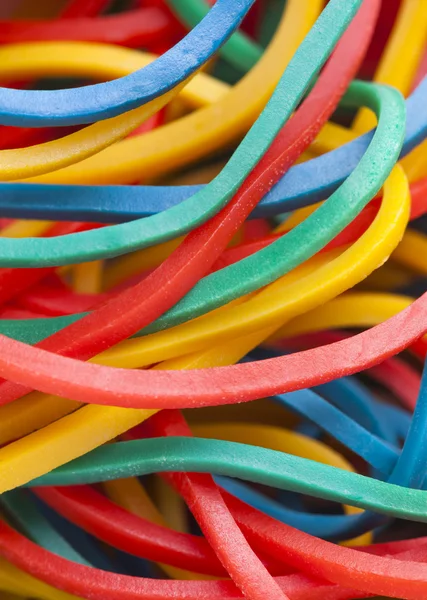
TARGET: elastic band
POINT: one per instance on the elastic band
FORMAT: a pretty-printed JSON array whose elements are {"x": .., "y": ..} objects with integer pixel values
[
  {"x": 399, "y": 62},
  {"x": 204, "y": 204},
  {"x": 107, "y": 100},
  {"x": 197, "y": 455},
  {"x": 135, "y": 29},
  {"x": 76, "y": 146},
  {"x": 240, "y": 51}
]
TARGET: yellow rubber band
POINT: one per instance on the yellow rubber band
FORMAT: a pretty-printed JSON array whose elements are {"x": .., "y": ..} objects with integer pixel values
[
  {"x": 22, "y": 229},
  {"x": 411, "y": 252},
  {"x": 87, "y": 277},
  {"x": 15, "y": 581},
  {"x": 42, "y": 158},
  {"x": 353, "y": 309}
]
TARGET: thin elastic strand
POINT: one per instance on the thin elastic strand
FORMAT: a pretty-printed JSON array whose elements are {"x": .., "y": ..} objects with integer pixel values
[{"x": 48, "y": 156}]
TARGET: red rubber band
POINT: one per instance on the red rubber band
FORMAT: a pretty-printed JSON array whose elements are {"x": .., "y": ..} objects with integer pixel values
[
  {"x": 134, "y": 29},
  {"x": 84, "y": 8}
]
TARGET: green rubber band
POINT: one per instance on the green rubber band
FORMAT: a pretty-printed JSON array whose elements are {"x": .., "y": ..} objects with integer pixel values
[{"x": 250, "y": 463}]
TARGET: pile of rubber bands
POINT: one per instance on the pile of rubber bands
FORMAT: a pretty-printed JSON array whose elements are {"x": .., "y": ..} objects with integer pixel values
[{"x": 213, "y": 299}]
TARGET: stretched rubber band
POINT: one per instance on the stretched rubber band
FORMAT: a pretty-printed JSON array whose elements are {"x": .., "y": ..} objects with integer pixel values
[{"x": 196, "y": 455}]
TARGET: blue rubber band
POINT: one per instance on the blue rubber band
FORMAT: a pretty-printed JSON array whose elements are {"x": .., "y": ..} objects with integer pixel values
[{"x": 76, "y": 106}]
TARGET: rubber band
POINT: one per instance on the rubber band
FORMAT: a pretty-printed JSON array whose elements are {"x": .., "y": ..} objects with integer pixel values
[
  {"x": 197, "y": 455},
  {"x": 398, "y": 64},
  {"x": 350, "y": 310},
  {"x": 42, "y": 158},
  {"x": 239, "y": 51},
  {"x": 107, "y": 100},
  {"x": 137, "y": 28}
]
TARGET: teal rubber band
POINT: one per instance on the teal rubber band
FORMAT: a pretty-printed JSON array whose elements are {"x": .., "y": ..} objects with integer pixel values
[
  {"x": 250, "y": 463},
  {"x": 34, "y": 525}
]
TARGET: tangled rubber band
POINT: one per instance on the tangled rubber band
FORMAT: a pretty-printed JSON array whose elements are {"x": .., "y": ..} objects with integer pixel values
[{"x": 213, "y": 304}]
